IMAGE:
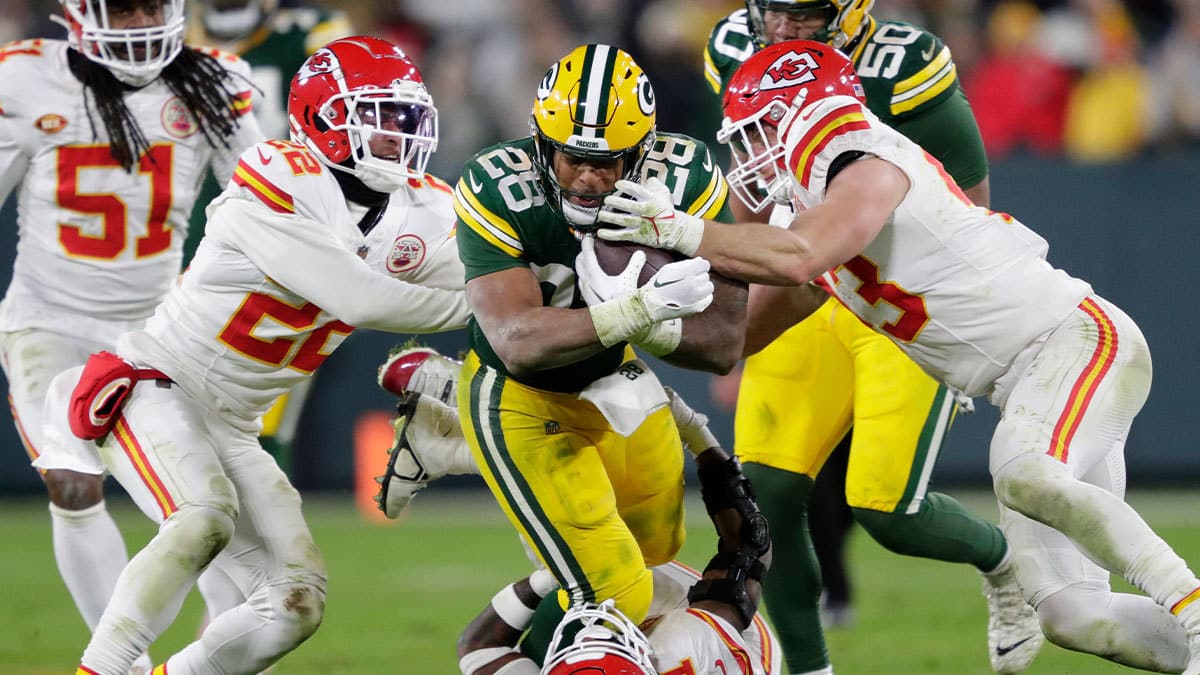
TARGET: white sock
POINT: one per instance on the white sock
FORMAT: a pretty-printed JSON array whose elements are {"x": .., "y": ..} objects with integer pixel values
[{"x": 90, "y": 553}]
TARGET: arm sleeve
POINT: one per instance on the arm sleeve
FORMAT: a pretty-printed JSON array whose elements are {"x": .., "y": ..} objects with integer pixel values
[
  {"x": 301, "y": 256},
  {"x": 948, "y": 131}
]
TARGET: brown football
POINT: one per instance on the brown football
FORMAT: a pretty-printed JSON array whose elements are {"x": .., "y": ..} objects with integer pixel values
[{"x": 614, "y": 256}]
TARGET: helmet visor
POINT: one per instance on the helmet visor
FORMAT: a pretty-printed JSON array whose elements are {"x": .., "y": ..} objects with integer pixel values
[
  {"x": 390, "y": 131},
  {"x": 759, "y": 174}
]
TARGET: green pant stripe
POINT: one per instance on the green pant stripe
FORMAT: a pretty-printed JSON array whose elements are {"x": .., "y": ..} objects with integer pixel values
[
  {"x": 515, "y": 490},
  {"x": 929, "y": 444}
]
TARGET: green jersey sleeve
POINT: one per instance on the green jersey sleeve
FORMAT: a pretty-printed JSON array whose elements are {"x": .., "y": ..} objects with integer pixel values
[
  {"x": 903, "y": 69},
  {"x": 688, "y": 169},
  {"x": 912, "y": 84},
  {"x": 496, "y": 185},
  {"x": 729, "y": 45}
]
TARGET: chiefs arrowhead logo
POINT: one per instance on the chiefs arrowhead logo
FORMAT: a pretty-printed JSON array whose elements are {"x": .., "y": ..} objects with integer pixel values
[
  {"x": 408, "y": 252},
  {"x": 50, "y": 123},
  {"x": 177, "y": 119},
  {"x": 789, "y": 70},
  {"x": 322, "y": 61}
]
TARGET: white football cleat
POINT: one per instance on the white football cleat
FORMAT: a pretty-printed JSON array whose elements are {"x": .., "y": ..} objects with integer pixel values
[
  {"x": 429, "y": 444},
  {"x": 422, "y": 370},
  {"x": 1014, "y": 633}
]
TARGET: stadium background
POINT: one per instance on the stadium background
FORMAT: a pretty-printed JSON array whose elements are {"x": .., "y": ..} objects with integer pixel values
[
  {"x": 1117, "y": 200},
  {"x": 1091, "y": 114}
]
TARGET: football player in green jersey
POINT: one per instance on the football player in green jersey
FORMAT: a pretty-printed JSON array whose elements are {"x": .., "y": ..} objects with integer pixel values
[
  {"x": 275, "y": 41},
  {"x": 570, "y": 430},
  {"x": 800, "y": 395}
]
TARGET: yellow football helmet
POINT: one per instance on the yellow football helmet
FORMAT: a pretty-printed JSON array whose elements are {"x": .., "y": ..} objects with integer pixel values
[
  {"x": 595, "y": 102},
  {"x": 846, "y": 18}
]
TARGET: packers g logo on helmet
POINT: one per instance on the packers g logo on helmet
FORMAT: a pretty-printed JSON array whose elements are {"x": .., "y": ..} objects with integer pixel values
[
  {"x": 595, "y": 102},
  {"x": 846, "y": 18}
]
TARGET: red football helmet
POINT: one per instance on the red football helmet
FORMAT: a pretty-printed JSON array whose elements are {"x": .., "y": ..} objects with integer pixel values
[
  {"x": 135, "y": 55},
  {"x": 354, "y": 90},
  {"x": 762, "y": 99},
  {"x": 605, "y": 643}
]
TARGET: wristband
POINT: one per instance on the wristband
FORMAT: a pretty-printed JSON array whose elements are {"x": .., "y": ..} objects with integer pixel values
[
  {"x": 510, "y": 609},
  {"x": 660, "y": 338},
  {"x": 617, "y": 319}
]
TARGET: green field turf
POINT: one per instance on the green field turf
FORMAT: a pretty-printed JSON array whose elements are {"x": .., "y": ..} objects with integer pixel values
[{"x": 399, "y": 593}]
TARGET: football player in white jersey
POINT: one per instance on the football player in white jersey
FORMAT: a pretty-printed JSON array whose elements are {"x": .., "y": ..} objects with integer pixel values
[
  {"x": 968, "y": 294},
  {"x": 696, "y": 623},
  {"x": 278, "y": 282},
  {"x": 104, "y": 138}
]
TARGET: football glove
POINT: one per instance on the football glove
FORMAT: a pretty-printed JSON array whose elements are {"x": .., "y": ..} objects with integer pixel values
[
  {"x": 649, "y": 218},
  {"x": 679, "y": 289},
  {"x": 595, "y": 284}
]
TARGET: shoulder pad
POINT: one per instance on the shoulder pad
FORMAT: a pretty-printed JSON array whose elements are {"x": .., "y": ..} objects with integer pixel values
[
  {"x": 905, "y": 69},
  {"x": 480, "y": 203},
  {"x": 284, "y": 176},
  {"x": 689, "y": 171},
  {"x": 433, "y": 193},
  {"x": 32, "y": 47},
  {"x": 820, "y": 133}
]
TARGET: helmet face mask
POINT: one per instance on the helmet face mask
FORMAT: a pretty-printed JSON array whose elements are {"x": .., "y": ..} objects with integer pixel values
[
  {"x": 359, "y": 104},
  {"x": 593, "y": 104},
  {"x": 761, "y": 102},
  {"x": 598, "y": 639},
  {"x": 101, "y": 30},
  {"x": 844, "y": 21},
  {"x": 234, "y": 19}
]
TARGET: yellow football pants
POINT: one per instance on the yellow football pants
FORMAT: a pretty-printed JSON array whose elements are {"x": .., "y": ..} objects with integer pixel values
[
  {"x": 801, "y": 394},
  {"x": 596, "y": 507}
]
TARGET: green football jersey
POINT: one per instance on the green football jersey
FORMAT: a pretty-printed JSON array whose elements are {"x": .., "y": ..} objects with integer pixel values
[
  {"x": 905, "y": 72},
  {"x": 275, "y": 52},
  {"x": 504, "y": 222}
]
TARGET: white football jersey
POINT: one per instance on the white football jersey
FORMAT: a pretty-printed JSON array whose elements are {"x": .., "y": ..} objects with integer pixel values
[
  {"x": 278, "y": 282},
  {"x": 94, "y": 240},
  {"x": 961, "y": 289},
  {"x": 690, "y": 641},
  {"x": 415, "y": 238}
]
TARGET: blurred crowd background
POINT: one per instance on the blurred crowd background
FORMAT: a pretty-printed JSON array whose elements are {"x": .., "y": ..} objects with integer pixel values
[
  {"x": 1094, "y": 80},
  {"x": 1089, "y": 109}
]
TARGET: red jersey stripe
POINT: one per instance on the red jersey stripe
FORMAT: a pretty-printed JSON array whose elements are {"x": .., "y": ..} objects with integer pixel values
[
  {"x": 1087, "y": 383},
  {"x": 141, "y": 463},
  {"x": 265, "y": 190}
]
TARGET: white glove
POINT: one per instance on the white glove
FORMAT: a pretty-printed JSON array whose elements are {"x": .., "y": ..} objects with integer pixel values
[
  {"x": 693, "y": 426},
  {"x": 595, "y": 284},
  {"x": 650, "y": 218},
  {"x": 679, "y": 289}
]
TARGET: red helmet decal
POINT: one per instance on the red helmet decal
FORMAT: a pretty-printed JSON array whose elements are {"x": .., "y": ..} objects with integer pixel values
[{"x": 790, "y": 69}]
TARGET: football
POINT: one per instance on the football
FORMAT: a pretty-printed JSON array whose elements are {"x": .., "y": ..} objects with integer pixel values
[{"x": 614, "y": 256}]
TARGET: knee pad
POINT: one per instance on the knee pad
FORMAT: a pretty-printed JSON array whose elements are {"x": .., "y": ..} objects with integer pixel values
[
  {"x": 198, "y": 533},
  {"x": 1030, "y": 482},
  {"x": 298, "y": 608}
]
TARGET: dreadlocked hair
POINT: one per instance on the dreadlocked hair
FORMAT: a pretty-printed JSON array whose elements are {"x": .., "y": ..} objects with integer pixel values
[{"x": 197, "y": 78}]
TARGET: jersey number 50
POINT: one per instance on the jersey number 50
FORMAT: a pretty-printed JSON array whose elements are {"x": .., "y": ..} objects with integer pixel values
[{"x": 112, "y": 210}]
